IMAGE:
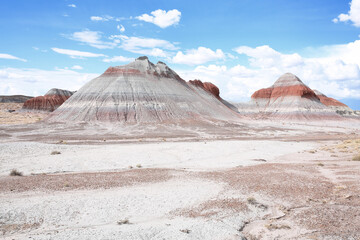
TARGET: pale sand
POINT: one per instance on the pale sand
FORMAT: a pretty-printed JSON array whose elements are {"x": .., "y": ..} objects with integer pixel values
[
  {"x": 294, "y": 188},
  {"x": 18, "y": 117},
  {"x": 35, "y": 158}
]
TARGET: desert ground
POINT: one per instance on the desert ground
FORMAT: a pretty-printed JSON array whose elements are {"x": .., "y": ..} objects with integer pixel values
[{"x": 246, "y": 180}]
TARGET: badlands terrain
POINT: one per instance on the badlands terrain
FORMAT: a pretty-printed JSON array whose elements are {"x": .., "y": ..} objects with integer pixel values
[{"x": 139, "y": 153}]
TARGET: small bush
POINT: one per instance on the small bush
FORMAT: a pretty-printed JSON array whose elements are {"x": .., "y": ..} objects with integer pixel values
[
  {"x": 320, "y": 164},
  {"x": 122, "y": 222},
  {"x": 15, "y": 172},
  {"x": 55, "y": 152},
  {"x": 356, "y": 158},
  {"x": 185, "y": 231},
  {"x": 277, "y": 226},
  {"x": 252, "y": 201},
  {"x": 138, "y": 166},
  {"x": 131, "y": 167}
]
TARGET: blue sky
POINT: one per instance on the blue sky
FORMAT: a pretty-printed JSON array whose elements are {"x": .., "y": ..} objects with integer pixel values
[{"x": 240, "y": 45}]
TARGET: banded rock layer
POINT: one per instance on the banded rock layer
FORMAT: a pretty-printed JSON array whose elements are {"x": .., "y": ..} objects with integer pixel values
[
  {"x": 287, "y": 98},
  {"x": 14, "y": 99},
  {"x": 53, "y": 99},
  {"x": 142, "y": 92},
  {"x": 337, "y": 106},
  {"x": 331, "y": 102}
]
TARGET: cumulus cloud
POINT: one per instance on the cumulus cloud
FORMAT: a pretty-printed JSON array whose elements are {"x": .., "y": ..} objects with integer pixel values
[
  {"x": 105, "y": 18},
  {"x": 118, "y": 59},
  {"x": 92, "y": 38},
  {"x": 336, "y": 72},
  {"x": 148, "y": 46},
  {"x": 11, "y": 57},
  {"x": 162, "y": 18},
  {"x": 265, "y": 56},
  {"x": 353, "y": 15},
  {"x": 198, "y": 56},
  {"x": 77, "y": 67},
  {"x": 77, "y": 54},
  {"x": 121, "y": 28},
  {"x": 72, "y": 5},
  {"x": 35, "y": 82}
]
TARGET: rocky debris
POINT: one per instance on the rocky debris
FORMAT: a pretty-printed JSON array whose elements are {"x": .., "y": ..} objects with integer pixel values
[
  {"x": 49, "y": 102},
  {"x": 14, "y": 99},
  {"x": 142, "y": 92},
  {"x": 287, "y": 98},
  {"x": 337, "y": 106}
]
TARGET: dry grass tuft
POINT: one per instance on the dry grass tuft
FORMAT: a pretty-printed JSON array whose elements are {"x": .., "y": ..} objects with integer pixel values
[
  {"x": 122, "y": 222},
  {"x": 356, "y": 158},
  {"x": 252, "y": 201},
  {"x": 276, "y": 226},
  {"x": 15, "y": 172},
  {"x": 185, "y": 231},
  {"x": 55, "y": 152}
]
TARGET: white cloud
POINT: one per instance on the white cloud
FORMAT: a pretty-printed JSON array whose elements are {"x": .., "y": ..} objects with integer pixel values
[
  {"x": 35, "y": 82},
  {"x": 148, "y": 46},
  {"x": 72, "y": 5},
  {"x": 106, "y": 18},
  {"x": 92, "y": 38},
  {"x": 198, "y": 56},
  {"x": 264, "y": 56},
  {"x": 162, "y": 18},
  {"x": 118, "y": 59},
  {"x": 121, "y": 28},
  {"x": 11, "y": 57},
  {"x": 102, "y": 19},
  {"x": 353, "y": 15},
  {"x": 77, "y": 54},
  {"x": 77, "y": 67},
  {"x": 335, "y": 71}
]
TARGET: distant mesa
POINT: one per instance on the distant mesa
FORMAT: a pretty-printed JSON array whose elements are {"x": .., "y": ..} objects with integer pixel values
[
  {"x": 14, "y": 99},
  {"x": 53, "y": 99},
  {"x": 287, "y": 98},
  {"x": 143, "y": 92}
]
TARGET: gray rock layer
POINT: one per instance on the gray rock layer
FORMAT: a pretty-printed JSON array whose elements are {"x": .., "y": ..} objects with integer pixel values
[{"x": 141, "y": 92}]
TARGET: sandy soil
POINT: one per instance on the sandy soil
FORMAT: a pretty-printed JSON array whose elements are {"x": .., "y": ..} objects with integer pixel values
[
  {"x": 37, "y": 158},
  {"x": 18, "y": 116},
  {"x": 257, "y": 190},
  {"x": 245, "y": 180}
]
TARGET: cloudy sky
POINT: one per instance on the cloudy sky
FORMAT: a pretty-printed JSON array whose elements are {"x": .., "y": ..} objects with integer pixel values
[{"x": 240, "y": 45}]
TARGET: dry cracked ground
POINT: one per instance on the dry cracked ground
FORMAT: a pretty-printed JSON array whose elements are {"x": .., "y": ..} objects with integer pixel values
[{"x": 309, "y": 191}]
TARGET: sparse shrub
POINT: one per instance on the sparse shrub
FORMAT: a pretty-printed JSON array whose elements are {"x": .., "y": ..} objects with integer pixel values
[
  {"x": 312, "y": 151},
  {"x": 277, "y": 226},
  {"x": 55, "y": 152},
  {"x": 185, "y": 231},
  {"x": 356, "y": 158},
  {"x": 138, "y": 166},
  {"x": 15, "y": 172},
  {"x": 122, "y": 222},
  {"x": 252, "y": 201},
  {"x": 320, "y": 164},
  {"x": 131, "y": 167}
]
